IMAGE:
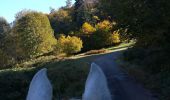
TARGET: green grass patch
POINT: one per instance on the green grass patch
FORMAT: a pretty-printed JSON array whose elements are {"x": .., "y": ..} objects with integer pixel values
[
  {"x": 67, "y": 76},
  {"x": 122, "y": 45}
]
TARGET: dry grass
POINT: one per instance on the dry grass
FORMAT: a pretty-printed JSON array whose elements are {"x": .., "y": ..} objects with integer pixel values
[{"x": 95, "y": 52}]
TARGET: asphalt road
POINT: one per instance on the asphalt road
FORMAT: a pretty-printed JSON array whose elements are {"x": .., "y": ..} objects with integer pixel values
[{"x": 121, "y": 86}]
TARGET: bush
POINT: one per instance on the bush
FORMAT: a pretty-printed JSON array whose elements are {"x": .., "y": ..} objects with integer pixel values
[
  {"x": 116, "y": 37},
  {"x": 5, "y": 59},
  {"x": 104, "y": 25},
  {"x": 87, "y": 28},
  {"x": 33, "y": 35},
  {"x": 69, "y": 45},
  {"x": 102, "y": 38}
]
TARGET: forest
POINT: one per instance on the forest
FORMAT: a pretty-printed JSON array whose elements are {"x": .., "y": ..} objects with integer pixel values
[{"x": 84, "y": 26}]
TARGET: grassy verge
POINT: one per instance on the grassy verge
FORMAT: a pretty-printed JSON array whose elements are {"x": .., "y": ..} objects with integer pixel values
[
  {"x": 67, "y": 76},
  {"x": 146, "y": 69},
  {"x": 158, "y": 84},
  {"x": 122, "y": 45}
]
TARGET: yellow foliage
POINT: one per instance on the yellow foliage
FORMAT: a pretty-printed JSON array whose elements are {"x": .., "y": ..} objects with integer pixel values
[
  {"x": 87, "y": 28},
  {"x": 116, "y": 37},
  {"x": 106, "y": 24},
  {"x": 48, "y": 39},
  {"x": 70, "y": 45},
  {"x": 96, "y": 17}
]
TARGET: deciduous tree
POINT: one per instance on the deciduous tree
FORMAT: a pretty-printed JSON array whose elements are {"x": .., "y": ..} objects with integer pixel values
[{"x": 33, "y": 35}]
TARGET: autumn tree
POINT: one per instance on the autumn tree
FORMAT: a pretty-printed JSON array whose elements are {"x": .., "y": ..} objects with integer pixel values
[
  {"x": 61, "y": 21},
  {"x": 33, "y": 35}
]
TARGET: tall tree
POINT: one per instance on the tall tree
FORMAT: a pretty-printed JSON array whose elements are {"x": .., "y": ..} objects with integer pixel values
[
  {"x": 68, "y": 3},
  {"x": 141, "y": 16},
  {"x": 84, "y": 11},
  {"x": 33, "y": 35},
  {"x": 78, "y": 14},
  {"x": 4, "y": 26},
  {"x": 61, "y": 21}
]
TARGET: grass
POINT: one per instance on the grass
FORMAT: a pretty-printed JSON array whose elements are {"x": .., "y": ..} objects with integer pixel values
[
  {"x": 96, "y": 52},
  {"x": 67, "y": 75},
  {"x": 150, "y": 70},
  {"x": 122, "y": 45}
]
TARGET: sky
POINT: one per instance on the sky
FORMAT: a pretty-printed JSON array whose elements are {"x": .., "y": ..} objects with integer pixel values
[{"x": 8, "y": 8}]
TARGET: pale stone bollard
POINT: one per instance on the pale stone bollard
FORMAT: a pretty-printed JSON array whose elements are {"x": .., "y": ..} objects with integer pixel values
[
  {"x": 96, "y": 85},
  {"x": 40, "y": 87}
]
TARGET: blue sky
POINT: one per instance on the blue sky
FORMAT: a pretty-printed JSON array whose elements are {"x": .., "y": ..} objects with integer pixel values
[{"x": 8, "y": 8}]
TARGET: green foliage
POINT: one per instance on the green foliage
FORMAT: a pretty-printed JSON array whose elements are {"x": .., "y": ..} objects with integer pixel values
[
  {"x": 84, "y": 12},
  {"x": 5, "y": 59},
  {"x": 102, "y": 38},
  {"x": 21, "y": 13},
  {"x": 63, "y": 74},
  {"x": 78, "y": 12},
  {"x": 33, "y": 35},
  {"x": 155, "y": 65},
  {"x": 140, "y": 17},
  {"x": 8, "y": 45},
  {"x": 69, "y": 45},
  {"x": 147, "y": 21},
  {"x": 4, "y": 27},
  {"x": 61, "y": 21}
]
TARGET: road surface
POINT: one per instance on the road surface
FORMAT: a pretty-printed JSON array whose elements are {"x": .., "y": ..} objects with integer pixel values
[{"x": 121, "y": 86}]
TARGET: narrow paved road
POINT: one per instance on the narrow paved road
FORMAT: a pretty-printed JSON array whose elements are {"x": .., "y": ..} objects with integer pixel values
[{"x": 121, "y": 86}]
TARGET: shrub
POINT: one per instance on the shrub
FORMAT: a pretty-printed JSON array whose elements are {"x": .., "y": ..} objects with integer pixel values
[
  {"x": 87, "y": 42},
  {"x": 87, "y": 28},
  {"x": 33, "y": 35},
  {"x": 69, "y": 45},
  {"x": 104, "y": 25},
  {"x": 116, "y": 37},
  {"x": 102, "y": 38},
  {"x": 5, "y": 59}
]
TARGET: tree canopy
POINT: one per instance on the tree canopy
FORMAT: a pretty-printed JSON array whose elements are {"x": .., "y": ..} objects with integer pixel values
[
  {"x": 34, "y": 35},
  {"x": 4, "y": 26}
]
